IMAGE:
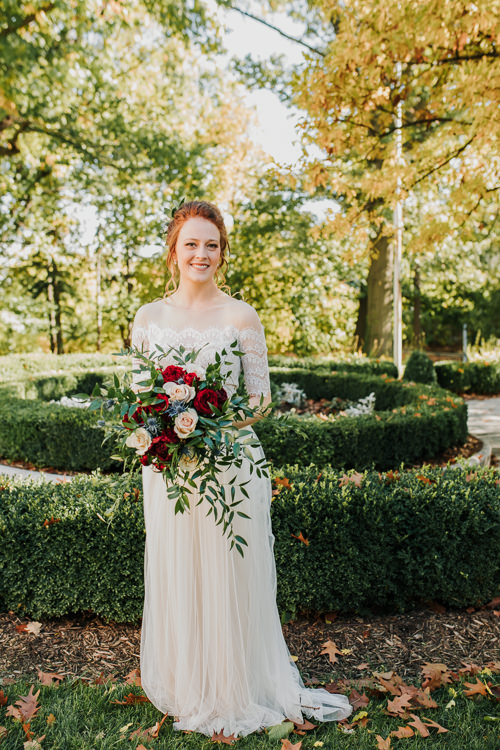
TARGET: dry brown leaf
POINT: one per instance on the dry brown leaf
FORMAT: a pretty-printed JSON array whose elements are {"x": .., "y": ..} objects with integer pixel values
[
  {"x": 287, "y": 745},
  {"x": 221, "y": 737},
  {"x": 403, "y": 732},
  {"x": 27, "y": 705},
  {"x": 49, "y": 678},
  {"x": 475, "y": 688},
  {"x": 358, "y": 701},
  {"x": 330, "y": 648},
  {"x": 301, "y": 538},
  {"x": 383, "y": 744},
  {"x": 131, "y": 698},
  {"x": 419, "y": 725},
  {"x": 3, "y": 698},
  {"x": 133, "y": 678},
  {"x": 306, "y": 726},
  {"x": 435, "y": 675},
  {"x": 399, "y": 704},
  {"x": 431, "y": 723}
]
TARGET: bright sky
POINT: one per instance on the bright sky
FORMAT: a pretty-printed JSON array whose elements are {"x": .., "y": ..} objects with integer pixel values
[{"x": 275, "y": 131}]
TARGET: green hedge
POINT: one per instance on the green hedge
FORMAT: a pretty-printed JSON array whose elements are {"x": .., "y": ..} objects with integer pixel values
[
  {"x": 413, "y": 422},
  {"x": 360, "y": 365},
  {"x": 469, "y": 377},
  {"x": 391, "y": 542}
]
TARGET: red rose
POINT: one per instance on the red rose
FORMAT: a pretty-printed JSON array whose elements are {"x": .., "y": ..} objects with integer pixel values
[
  {"x": 172, "y": 373},
  {"x": 208, "y": 396},
  {"x": 159, "y": 447},
  {"x": 137, "y": 416},
  {"x": 191, "y": 378},
  {"x": 163, "y": 404}
]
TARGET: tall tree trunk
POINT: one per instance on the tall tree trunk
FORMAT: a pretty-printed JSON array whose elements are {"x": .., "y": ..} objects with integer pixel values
[
  {"x": 417, "y": 299},
  {"x": 50, "y": 298},
  {"x": 360, "y": 330},
  {"x": 57, "y": 305},
  {"x": 379, "y": 311}
]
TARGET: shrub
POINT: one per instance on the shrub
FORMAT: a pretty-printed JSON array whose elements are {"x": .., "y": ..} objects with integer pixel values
[
  {"x": 374, "y": 541},
  {"x": 469, "y": 377},
  {"x": 419, "y": 368}
]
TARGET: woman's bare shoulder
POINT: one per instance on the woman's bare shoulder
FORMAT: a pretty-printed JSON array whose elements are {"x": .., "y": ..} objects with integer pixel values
[{"x": 246, "y": 315}]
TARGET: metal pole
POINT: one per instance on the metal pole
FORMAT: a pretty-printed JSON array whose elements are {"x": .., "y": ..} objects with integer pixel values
[{"x": 398, "y": 248}]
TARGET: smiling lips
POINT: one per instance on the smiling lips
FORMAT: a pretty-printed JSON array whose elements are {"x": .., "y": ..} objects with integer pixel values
[{"x": 199, "y": 266}]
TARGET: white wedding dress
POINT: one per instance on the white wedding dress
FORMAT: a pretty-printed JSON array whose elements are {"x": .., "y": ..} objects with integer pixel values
[{"x": 213, "y": 654}]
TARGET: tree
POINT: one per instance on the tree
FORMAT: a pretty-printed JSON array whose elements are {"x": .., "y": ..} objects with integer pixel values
[{"x": 349, "y": 90}]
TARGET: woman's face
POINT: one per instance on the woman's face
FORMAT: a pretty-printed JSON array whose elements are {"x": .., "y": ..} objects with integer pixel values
[{"x": 198, "y": 249}]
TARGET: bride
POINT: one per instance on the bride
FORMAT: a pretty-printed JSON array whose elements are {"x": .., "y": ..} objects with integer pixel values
[{"x": 213, "y": 654}]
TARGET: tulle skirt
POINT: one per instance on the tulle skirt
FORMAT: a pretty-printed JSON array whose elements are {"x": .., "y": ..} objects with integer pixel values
[{"x": 213, "y": 654}]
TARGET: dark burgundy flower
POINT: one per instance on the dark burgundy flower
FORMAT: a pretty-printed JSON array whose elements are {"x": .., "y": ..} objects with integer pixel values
[
  {"x": 208, "y": 396},
  {"x": 173, "y": 373},
  {"x": 191, "y": 378}
]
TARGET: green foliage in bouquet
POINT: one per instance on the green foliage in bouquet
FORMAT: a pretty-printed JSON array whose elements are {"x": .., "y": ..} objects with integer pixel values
[{"x": 182, "y": 426}]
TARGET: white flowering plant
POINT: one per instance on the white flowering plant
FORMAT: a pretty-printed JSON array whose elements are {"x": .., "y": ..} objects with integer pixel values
[{"x": 178, "y": 420}]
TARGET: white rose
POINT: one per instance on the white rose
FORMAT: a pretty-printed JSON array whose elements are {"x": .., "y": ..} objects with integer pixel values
[
  {"x": 179, "y": 391},
  {"x": 140, "y": 439},
  {"x": 185, "y": 422},
  {"x": 188, "y": 461}
]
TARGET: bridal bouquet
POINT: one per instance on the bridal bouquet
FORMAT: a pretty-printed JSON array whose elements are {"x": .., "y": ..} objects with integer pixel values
[{"x": 180, "y": 424}]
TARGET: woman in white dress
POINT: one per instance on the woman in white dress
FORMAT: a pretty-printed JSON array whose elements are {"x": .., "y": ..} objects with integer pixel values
[{"x": 213, "y": 654}]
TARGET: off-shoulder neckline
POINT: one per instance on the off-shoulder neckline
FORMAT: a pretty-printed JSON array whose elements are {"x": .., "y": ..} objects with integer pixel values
[{"x": 191, "y": 329}]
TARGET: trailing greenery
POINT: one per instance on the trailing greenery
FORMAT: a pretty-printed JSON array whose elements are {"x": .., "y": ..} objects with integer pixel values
[
  {"x": 469, "y": 377},
  {"x": 373, "y": 541}
]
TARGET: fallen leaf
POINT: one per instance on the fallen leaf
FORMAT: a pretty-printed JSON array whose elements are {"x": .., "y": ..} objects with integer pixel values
[
  {"x": 475, "y": 688},
  {"x": 435, "y": 675},
  {"x": 399, "y": 704},
  {"x": 402, "y": 732},
  {"x": 330, "y": 648},
  {"x": 301, "y": 538},
  {"x": 419, "y": 725},
  {"x": 28, "y": 704},
  {"x": 49, "y": 678},
  {"x": 133, "y": 678},
  {"x": 431, "y": 723},
  {"x": 278, "y": 731},
  {"x": 383, "y": 744},
  {"x": 363, "y": 665},
  {"x": 131, "y": 698},
  {"x": 357, "y": 701},
  {"x": 287, "y": 745},
  {"x": 355, "y": 477},
  {"x": 221, "y": 737}
]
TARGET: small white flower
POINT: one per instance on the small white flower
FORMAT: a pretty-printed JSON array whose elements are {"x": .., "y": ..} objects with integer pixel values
[
  {"x": 185, "y": 422},
  {"x": 179, "y": 391},
  {"x": 140, "y": 439},
  {"x": 188, "y": 460}
]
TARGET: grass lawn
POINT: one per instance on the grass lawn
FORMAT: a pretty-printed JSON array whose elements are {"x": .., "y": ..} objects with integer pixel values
[{"x": 78, "y": 715}]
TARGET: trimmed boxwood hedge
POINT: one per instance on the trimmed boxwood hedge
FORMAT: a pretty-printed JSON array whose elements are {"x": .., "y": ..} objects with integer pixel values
[
  {"x": 413, "y": 422},
  {"x": 469, "y": 377},
  {"x": 391, "y": 542}
]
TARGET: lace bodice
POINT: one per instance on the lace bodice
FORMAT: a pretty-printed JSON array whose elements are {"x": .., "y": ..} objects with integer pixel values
[{"x": 251, "y": 341}]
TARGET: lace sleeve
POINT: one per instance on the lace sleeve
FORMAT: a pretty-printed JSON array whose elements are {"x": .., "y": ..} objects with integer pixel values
[
  {"x": 141, "y": 341},
  {"x": 252, "y": 342}
]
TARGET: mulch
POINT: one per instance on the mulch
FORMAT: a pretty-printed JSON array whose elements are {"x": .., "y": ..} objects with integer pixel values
[{"x": 86, "y": 647}]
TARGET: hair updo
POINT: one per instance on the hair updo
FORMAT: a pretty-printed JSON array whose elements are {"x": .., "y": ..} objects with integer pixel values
[{"x": 186, "y": 211}]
